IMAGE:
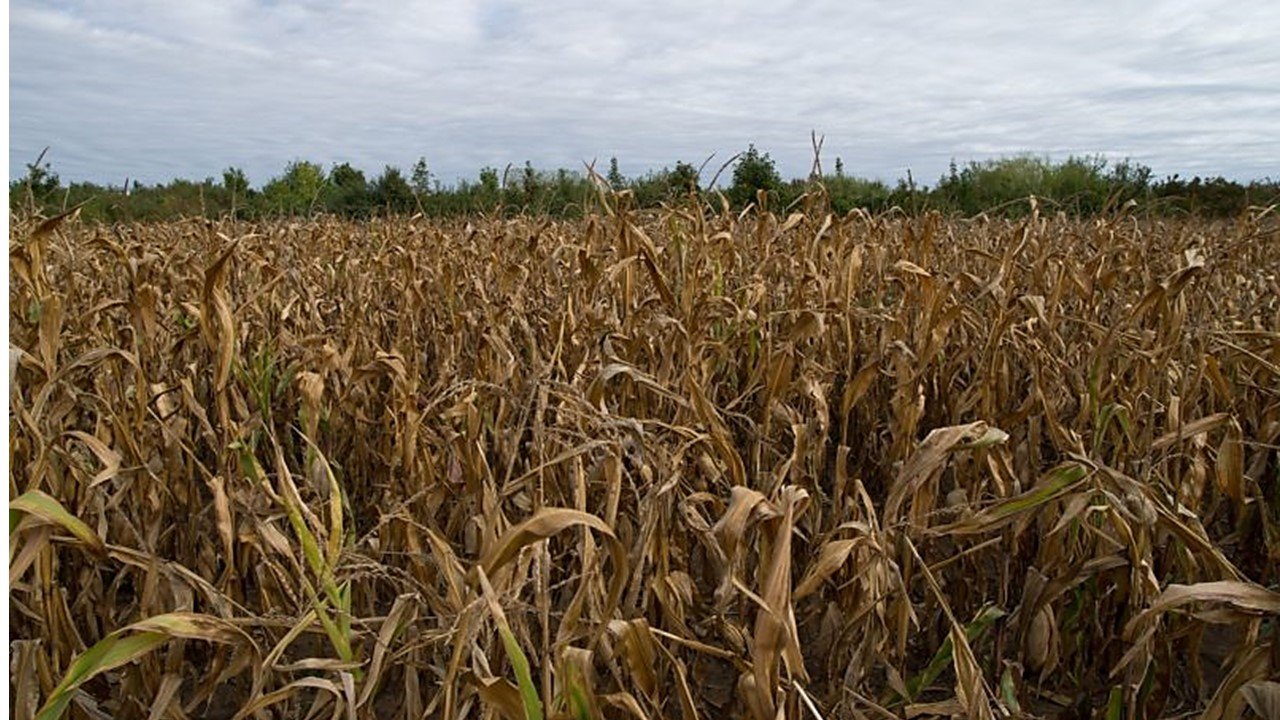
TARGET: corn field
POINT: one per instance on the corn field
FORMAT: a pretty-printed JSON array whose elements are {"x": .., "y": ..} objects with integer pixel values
[{"x": 678, "y": 464}]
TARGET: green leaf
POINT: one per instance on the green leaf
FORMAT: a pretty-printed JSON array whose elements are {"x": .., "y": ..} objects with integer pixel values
[
  {"x": 1054, "y": 483},
  {"x": 1009, "y": 691},
  {"x": 519, "y": 663},
  {"x": 578, "y": 702},
  {"x": 942, "y": 659},
  {"x": 128, "y": 644},
  {"x": 111, "y": 652},
  {"x": 45, "y": 507},
  {"x": 1115, "y": 704},
  {"x": 524, "y": 677}
]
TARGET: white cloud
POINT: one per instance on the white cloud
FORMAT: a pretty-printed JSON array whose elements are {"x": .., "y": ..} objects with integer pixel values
[{"x": 157, "y": 89}]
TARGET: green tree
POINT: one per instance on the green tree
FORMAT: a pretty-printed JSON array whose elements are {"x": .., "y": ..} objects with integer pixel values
[
  {"x": 489, "y": 180},
  {"x": 484, "y": 196},
  {"x": 615, "y": 178},
  {"x": 39, "y": 188},
  {"x": 529, "y": 184},
  {"x": 846, "y": 193},
  {"x": 1079, "y": 185},
  {"x": 684, "y": 179},
  {"x": 347, "y": 193},
  {"x": 567, "y": 192},
  {"x": 235, "y": 181},
  {"x": 392, "y": 193},
  {"x": 753, "y": 172},
  {"x": 235, "y": 184},
  {"x": 421, "y": 177},
  {"x": 665, "y": 185},
  {"x": 297, "y": 190}
]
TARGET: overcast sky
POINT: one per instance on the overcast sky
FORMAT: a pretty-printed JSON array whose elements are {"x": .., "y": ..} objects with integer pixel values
[{"x": 154, "y": 90}]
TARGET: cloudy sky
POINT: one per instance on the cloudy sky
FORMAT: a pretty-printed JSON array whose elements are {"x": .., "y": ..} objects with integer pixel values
[{"x": 154, "y": 90}]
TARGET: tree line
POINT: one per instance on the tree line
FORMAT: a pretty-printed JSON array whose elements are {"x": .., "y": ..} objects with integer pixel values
[{"x": 1077, "y": 185}]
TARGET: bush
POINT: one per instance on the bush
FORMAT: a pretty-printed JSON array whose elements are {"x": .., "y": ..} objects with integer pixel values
[
  {"x": 1079, "y": 185},
  {"x": 752, "y": 173}
]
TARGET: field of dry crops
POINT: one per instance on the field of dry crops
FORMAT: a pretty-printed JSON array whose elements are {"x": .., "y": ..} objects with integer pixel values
[{"x": 670, "y": 466}]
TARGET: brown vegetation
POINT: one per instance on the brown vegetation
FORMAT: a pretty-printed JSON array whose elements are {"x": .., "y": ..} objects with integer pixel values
[{"x": 676, "y": 466}]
